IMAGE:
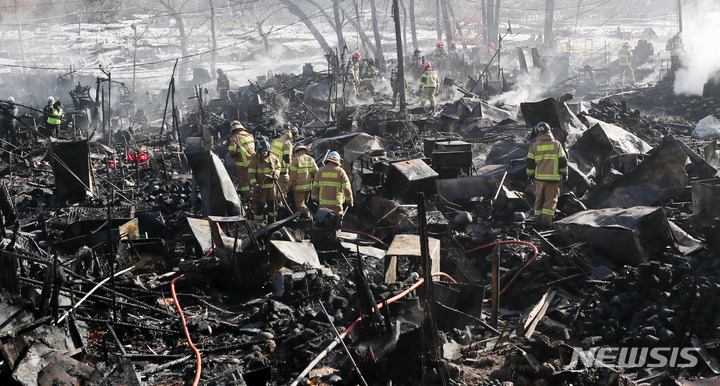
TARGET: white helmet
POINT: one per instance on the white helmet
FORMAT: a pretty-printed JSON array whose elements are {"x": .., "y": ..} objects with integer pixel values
[
  {"x": 50, "y": 99},
  {"x": 11, "y": 99}
]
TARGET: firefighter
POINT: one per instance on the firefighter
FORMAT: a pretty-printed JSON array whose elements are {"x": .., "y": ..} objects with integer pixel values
[
  {"x": 223, "y": 85},
  {"x": 675, "y": 47},
  {"x": 625, "y": 63},
  {"x": 371, "y": 72},
  {"x": 440, "y": 51},
  {"x": 351, "y": 84},
  {"x": 302, "y": 173},
  {"x": 332, "y": 60},
  {"x": 396, "y": 85},
  {"x": 546, "y": 165},
  {"x": 8, "y": 124},
  {"x": 452, "y": 49},
  {"x": 242, "y": 148},
  {"x": 58, "y": 115},
  {"x": 416, "y": 64},
  {"x": 263, "y": 170},
  {"x": 332, "y": 186},
  {"x": 355, "y": 63},
  {"x": 52, "y": 123},
  {"x": 428, "y": 85},
  {"x": 282, "y": 148}
]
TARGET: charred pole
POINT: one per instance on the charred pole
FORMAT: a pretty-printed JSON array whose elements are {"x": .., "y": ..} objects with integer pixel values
[{"x": 400, "y": 56}]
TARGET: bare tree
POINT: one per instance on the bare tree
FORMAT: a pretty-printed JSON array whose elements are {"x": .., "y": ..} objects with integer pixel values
[
  {"x": 549, "y": 13},
  {"x": 338, "y": 27},
  {"x": 292, "y": 7},
  {"x": 323, "y": 12},
  {"x": 438, "y": 27},
  {"x": 413, "y": 33},
  {"x": 376, "y": 32},
  {"x": 355, "y": 23},
  {"x": 446, "y": 20},
  {"x": 174, "y": 13}
]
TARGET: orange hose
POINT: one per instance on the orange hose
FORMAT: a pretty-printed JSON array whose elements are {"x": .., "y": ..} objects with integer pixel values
[
  {"x": 282, "y": 195},
  {"x": 367, "y": 235},
  {"x": 521, "y": 269},
  {"x": 187, "y": 333},
  {"x": 443, "y": 274}
]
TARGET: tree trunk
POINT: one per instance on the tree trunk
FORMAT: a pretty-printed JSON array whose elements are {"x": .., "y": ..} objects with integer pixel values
[
  {"x": 183, "y": 67},
  {"x": 404, "y": 26},
  {"x": 492, "y": 6},
  {"x": 549, "y": 13},
  {"x": 376, "y": 32},
  {"x": 438, "y": 24},
  {"x": 413, "y": 32},
  {"x": 367, "y": 45},
  {"x": 453, "y": 18},
  {"x": 263, "y": 35},
  {"x": 338, "y": 28},
  {"x": 323, "y": 12},
  {"x": 309, "y": 24},
  {"x": 446, "y": 21},
  {"x": 213, "y": 61}
]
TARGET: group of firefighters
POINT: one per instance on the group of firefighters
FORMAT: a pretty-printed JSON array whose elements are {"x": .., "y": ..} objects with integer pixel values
[
  {"x": 361, "y": 75},
  {"x": 266, "y": 171}
]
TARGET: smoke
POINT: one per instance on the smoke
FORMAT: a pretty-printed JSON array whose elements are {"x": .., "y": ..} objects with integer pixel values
[
  {"x": 526, "y": 88},
  {"x": 701, "y": 59}
]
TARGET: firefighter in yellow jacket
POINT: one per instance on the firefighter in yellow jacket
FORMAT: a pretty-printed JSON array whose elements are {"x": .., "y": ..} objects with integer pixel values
[
  {"x": 625, "y": 63},
  {"x": 241, "y": 147},
  {"x": 263, "y": 170},
  {"x": 282, "y": 148},
  {"x": 332, "y": 186},
  {"x": 302, "y": 172},
  {"x": 428, "y": 85},
  {"x": 547, "y": 166}
]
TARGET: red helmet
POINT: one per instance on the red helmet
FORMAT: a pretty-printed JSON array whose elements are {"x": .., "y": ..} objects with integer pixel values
[
  {"x": 356, "y": 54},
  {"x": 439, "y": 44},
  {"x": 492, "y": 45},
  {"x": 452, "y": 42},
  {"x": 426, "y": 65}
]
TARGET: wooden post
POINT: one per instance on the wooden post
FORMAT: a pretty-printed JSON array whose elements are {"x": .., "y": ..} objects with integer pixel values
[{"x": 495, "y": 295}]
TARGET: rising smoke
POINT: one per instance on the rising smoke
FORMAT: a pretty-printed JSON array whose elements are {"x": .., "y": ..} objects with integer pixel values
[{"x": 701, "y": 59}]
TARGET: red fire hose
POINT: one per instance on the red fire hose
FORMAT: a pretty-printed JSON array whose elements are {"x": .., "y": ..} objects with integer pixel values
[{"x": 198, "y": 370}]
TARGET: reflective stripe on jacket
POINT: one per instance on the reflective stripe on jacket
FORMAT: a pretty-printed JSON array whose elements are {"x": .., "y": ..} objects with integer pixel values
[
  {"x": 263, "y": 169},
  {"x": 282, "y": 147},
  {"x": 241, "y": 147},
  {"x": 624, "y": 57},
  {"x": 332, "y": 187},
  {"x": 302, "y": 172},
  {"x": 429, "y": 79},
  {"x": 370, "y": 73},
  {"x": 55, "y": 118},
  {"x": 546, "y": 159}
]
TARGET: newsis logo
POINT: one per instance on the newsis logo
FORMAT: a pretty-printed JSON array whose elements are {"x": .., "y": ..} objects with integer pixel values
[{"x": 637, "y": 357}]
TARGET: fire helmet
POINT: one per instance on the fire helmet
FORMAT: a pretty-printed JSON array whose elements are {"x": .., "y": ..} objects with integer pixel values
[
  {"x": 543, "y": 128},
  {"x": 334, "y": 157}
]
